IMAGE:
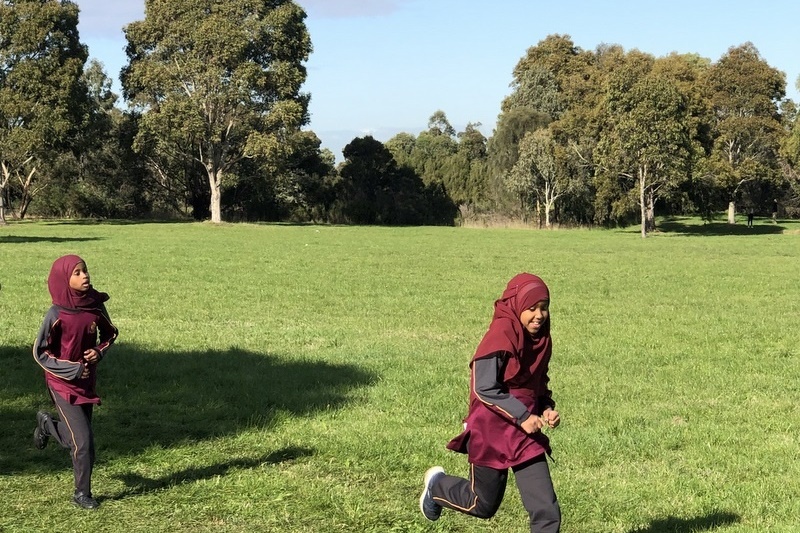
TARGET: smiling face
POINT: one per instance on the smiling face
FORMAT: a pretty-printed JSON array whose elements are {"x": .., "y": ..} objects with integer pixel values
[
  {"x": 79, "y": 279},
  {"x": 533, "y": 318}
]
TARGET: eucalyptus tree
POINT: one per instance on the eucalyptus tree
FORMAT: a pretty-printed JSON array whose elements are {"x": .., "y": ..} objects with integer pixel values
[
  {"x": 42, "y": 96},
  {"x": 550, "y": 77},
  {"x": 688, "y": 72},
  {"x": 790, "y": 146},
  {"x": 402, "y": 146},
  {"x": 646, "y": 146},
  {"x": 218, "y": 81},
  {"x": 561, "y": 83},
  {"x": 437, "y": 157},
  {"x": 375, "y": 190},
  {"x": 433, "y": 151},
  {"x": 469, "y": 177},
  {"x": 745, "y": 94},
  {"x": 539, "y": 172}
]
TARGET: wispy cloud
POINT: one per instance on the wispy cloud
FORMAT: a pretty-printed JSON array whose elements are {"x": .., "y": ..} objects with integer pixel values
[{"x": 351, "y": 8}]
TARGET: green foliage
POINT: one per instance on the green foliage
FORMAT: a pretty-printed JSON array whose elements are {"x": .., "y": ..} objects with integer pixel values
[
  {"x": 648, "y": 137},
  {"x": 218, "y": 82},
  {"x": 302, "y": 189},
  {"x": 375, "y": 190},
  {"x": 745, "y": 93},
  {"x": 42, "y": 95},
  {"x": 445, "y": 160}
]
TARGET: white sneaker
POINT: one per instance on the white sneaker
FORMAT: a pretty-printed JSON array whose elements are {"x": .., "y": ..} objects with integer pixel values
[{"x": 430, "y": 509}]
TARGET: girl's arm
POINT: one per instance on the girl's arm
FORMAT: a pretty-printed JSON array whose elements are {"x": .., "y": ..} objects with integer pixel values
[
  {"x": 545, "y": 400},
  {"x": 108, "y": 332},
  {"x": 45, "y": 349},
  {"x": 486, "y": 383},
  {"x": 547, "y": 404}
]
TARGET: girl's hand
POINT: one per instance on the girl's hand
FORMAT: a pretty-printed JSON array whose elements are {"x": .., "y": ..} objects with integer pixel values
[
  {"x": 85, "y": 373},
  {"x": 551, "y": 417},
  {"x": 532, "y": 424},
  {"x": 91, "y": 355}
]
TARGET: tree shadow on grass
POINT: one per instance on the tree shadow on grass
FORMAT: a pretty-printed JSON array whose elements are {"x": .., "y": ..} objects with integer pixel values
[
  {"x": 138, "y": 485},
  {"x": 167, "y": 398},
  {"x": 690, "y": 525},
  {"x": 25, "y": 239},
  {"x": 688, "y": 226},
  {"x": 117, "y": 222}
]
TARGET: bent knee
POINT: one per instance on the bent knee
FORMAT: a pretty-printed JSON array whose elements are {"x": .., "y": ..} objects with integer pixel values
[{"x": 484, "y": 511}]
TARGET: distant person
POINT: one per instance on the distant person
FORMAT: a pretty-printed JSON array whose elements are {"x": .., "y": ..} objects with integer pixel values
[
  {"x": 75, "y": 335},
  {"x": 775, "y": 211},
  {"x": 510, "y": 403},
  {"x": 750, "y": 215}
]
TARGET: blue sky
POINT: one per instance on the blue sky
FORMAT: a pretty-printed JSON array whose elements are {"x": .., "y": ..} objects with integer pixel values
[{"x": 380, "y": 67}]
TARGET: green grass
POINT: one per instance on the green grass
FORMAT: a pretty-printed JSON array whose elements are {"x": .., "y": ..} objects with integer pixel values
[{"x": 302, "y": 378}]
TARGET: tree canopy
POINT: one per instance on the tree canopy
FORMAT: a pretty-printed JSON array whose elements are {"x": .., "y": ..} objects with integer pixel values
[
  {"x": 217, "y": 82},
  {"x": 42, "y": 94}
]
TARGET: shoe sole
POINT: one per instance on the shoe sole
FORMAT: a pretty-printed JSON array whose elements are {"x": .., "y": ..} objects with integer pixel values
[
  {"x": 40, "y": 441},
  {"x": 429, "y": 473},
  {"x": 90, "y": 508}
]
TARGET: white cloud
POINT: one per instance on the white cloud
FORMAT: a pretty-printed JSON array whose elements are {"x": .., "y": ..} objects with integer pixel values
[{"x": 351, "y": 8}]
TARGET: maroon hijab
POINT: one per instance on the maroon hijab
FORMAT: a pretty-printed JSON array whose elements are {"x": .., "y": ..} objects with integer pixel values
[
  {"x": 505, "y": 331},
  {"x": 65, "y": 296}
]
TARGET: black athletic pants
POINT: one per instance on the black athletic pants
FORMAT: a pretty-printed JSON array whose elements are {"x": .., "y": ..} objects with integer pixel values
[
  {"x": 482, "y": 493},
  {"x": 74, "y": 431}
]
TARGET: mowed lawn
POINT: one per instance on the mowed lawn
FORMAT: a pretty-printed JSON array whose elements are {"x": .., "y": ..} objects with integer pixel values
[{"x": 284, "y": 378}]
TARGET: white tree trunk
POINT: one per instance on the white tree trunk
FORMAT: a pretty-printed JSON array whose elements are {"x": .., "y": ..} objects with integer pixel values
[
  {"x": 547, "y": 208},
  {"x": 214, "y": 179},
  {"x": 731, "y": 212},
  {"x": 642, "y": 205}
]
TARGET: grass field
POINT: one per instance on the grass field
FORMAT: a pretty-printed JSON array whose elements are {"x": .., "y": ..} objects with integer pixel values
[{"x": 301, "y": 378}]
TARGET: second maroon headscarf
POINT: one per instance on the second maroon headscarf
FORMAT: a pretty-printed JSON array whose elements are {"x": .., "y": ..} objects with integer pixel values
[{"x": 65, "y": 296}]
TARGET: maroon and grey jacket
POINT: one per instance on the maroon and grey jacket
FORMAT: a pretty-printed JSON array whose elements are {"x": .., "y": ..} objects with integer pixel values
[
  {"x": 508, "y": 383},
  {"x": 60, "y": 345}
]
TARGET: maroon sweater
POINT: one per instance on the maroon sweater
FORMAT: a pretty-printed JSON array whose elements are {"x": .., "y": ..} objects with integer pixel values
[
  {"x": 62, "y": 340},
  {"x": 508, "y": 382}
]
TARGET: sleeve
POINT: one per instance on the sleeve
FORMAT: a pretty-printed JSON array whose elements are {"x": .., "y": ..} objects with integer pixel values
[
  {"x": 545, "y": 400},
  {"x": 46, "y": 356},
  {"x": 489, "y": 389},
  {"x": 108, "y": 332}
]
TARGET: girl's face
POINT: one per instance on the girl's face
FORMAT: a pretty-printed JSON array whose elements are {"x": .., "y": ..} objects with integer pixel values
[
  {"x": 534, "y": 318},
  {"x": 79, "y": 280}
]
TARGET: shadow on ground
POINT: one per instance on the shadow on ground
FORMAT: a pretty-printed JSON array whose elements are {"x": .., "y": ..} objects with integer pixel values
[
  {"x": 137, "y": 485},
  {"x": 690, "y": 525},
  {"x": 688, "y": 226},
  {"x": 24, "y": 239},
  {"x": 166, "y": 398}
]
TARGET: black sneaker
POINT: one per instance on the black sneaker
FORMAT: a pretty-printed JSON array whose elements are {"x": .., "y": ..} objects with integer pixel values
[
  {"x": 430, "y": 509},
  {"x": 40, "y": 436},
  {"x": 85, "y": 501}
]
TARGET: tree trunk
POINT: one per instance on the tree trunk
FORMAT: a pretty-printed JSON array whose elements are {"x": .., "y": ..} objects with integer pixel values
[
  {"x": 731, "y": 212},
  {"x": 3, "y": 207},
  {"x": 3, "y": 188},
  {"x": 547, "y": 208},
  {"x": 214, "y": 180},
  {"x": 24, "y": 204},
  {"x": 642, "y": 205},
  {"x": 650, "y": 213}
]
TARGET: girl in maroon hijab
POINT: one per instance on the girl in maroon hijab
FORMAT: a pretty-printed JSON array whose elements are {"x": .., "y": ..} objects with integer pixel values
[
  {"x": 509, "y": 404},
  {"x": 75, "y": 336}
]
